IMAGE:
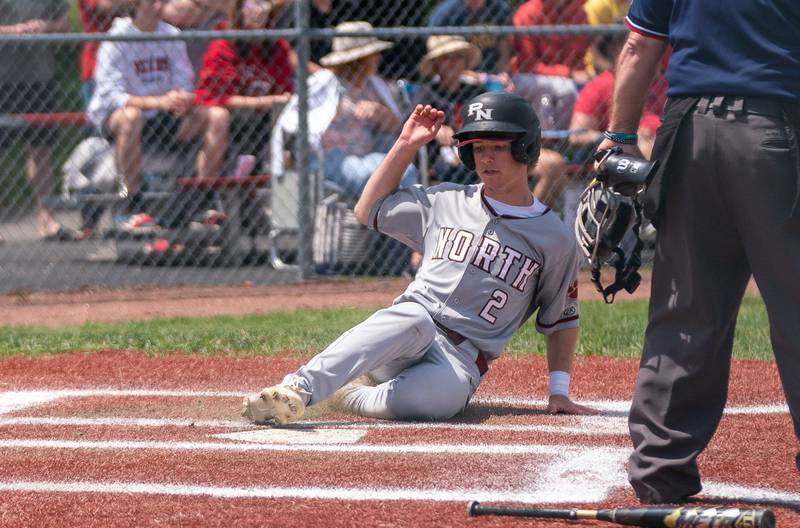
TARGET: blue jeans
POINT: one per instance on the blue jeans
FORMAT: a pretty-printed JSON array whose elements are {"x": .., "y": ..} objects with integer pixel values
[{"x": 349, "y": 173}]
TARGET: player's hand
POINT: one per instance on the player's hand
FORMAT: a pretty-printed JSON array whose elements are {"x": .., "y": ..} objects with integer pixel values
[
  {"x": 422, "y": 125},
  {"x": 559, "y": 404}
]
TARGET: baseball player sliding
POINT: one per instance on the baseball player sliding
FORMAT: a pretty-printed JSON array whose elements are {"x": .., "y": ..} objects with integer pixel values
[{"x": 493, "y": 256}]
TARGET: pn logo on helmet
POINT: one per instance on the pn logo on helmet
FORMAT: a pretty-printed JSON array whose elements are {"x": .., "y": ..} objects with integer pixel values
[{"x": 480, "y": 113}]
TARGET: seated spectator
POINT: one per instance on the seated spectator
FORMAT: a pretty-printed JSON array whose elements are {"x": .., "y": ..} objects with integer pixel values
[
  {"x": 27, "y": 84},
  {"x": 399, "y": 61},
  {"x": 590, "y": 116},
  {"x": 448, "y": 61},
  {"x": 96, "y": 17},
  {"x": 495, "y": 51},
  {"x": 198, "y": 15},
  {"x": 365, "y": 117},
  {"x": 248, "y": 78},
  {"x": 144, "y": 95},
  {"x": 602, "y": 12},
  {"x": 559, "y": 55}
]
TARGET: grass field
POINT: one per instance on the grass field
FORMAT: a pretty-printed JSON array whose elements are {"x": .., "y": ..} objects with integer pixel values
[{"x": 606, "y": 330}]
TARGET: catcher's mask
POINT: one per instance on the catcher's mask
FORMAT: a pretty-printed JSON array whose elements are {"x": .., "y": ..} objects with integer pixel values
[
  {"x": 608, "y": 220},
  {"x": 499, "y": 115}
]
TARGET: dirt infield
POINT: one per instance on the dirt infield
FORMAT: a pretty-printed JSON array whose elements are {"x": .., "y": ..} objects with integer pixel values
[
  {"x": 126, "y": 439},
  {"x": 57, "y": 309}
]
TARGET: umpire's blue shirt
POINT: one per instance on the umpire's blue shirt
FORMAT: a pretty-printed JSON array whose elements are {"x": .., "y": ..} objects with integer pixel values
[{"x": 726, "y": 47}]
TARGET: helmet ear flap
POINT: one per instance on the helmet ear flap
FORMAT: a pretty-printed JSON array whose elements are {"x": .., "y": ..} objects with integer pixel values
[{"x": 467, "y": 157}]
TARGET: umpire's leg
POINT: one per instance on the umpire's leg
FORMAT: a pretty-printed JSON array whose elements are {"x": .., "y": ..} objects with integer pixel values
[
  {"x": 772, "y": 241},
  {"x": 699, "y": 277}
]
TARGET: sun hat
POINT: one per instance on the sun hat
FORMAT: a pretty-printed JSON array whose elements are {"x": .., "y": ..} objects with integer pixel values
[
  {"x": 441, "y": 45},
  {"x": 347, "y": 48}
]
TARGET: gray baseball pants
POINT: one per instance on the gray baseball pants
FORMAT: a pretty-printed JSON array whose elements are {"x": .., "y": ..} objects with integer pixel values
[
  {"x": 728, "y": 200},
  {"x": 421, "y": 374}
]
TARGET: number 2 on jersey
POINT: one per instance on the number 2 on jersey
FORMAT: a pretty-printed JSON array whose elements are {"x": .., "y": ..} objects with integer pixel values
[{"x": 498, "y": 300}]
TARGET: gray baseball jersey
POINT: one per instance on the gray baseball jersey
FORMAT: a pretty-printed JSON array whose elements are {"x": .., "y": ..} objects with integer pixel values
[{"x": 483, "y": 274}]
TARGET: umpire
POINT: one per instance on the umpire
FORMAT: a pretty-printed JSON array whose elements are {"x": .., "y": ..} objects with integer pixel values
[{"x": 726, "y": 203}]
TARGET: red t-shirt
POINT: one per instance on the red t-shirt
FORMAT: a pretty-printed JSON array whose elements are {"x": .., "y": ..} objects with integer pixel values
[
  {"x": 594, "y": 100},
  {"x": 94, "y": 20},
  {"x": 551, "y": 54},
  {"x": 266, "y": 70}
]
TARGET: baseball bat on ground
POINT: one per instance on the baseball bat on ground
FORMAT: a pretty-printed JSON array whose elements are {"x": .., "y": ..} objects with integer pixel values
[{"x": 645, "y": 517}]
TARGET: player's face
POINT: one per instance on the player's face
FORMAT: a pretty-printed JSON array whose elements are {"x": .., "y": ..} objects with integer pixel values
[{"x": 495, "y": 166}]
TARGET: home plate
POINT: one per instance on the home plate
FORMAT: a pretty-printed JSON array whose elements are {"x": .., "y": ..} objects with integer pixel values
[{"x": 297, "y": 436}]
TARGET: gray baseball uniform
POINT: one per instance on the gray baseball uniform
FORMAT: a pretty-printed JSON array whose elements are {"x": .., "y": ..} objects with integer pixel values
[{"x": 482, "y": 276}]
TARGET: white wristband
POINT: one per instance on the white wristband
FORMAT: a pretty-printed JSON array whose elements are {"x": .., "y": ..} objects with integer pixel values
[{"x": 559, "y": 383}]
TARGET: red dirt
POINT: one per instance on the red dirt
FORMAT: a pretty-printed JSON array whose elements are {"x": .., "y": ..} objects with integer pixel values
[{"x": 748, "y": 450}]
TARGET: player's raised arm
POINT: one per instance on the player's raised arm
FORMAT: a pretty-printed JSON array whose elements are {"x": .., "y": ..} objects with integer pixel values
[{"x": 420, "y": 128}]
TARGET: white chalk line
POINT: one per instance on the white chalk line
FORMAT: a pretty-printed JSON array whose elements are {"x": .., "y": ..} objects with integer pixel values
[
  {"x": 447, "y": 449},
  {"x": 715, "y": 490},
  {"x": 269, "y": 492},
  {"x": 13, "y": 400},
  {"x": 585, "y": 425}
]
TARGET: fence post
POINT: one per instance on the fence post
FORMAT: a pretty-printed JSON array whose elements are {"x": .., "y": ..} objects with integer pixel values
[{"x": 306, "y": 189}]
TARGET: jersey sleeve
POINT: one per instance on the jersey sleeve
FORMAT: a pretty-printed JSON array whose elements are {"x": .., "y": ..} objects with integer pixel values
[
  {"x": 403, "y": 215},
  {"x": 558, "y": 297},
  {"x": 650, "y": 17}
]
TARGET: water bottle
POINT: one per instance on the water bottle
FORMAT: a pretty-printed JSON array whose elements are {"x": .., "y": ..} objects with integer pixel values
[{"x": 547, "y": 112}]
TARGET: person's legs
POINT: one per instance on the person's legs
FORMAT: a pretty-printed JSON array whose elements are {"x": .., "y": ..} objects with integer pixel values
[
  {"x": 699, "y": 276},
  {"x": 39, "y": 171},
  {"x": 350, "y": 172},
  {"x": 395, "y": 338},
  {"x": 125, "y": 125},
  {"x": 213, "y": 122},
  {"x": 773, "y": 242},
  {"x": 436, "y": 388}
]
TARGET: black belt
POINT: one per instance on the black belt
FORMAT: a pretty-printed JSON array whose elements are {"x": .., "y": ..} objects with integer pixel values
[
  {"x": 456, "y": 338},
  {"x": 722, "y": 104}
]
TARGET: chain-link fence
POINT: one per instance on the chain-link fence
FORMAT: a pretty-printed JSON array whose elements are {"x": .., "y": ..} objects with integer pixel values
[{"x": 233, "y": 149}]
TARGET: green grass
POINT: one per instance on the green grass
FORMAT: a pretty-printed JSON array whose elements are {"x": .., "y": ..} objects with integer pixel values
[{"x": 606, "y": 330}]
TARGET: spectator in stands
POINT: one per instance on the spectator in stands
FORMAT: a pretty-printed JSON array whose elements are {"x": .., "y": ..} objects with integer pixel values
[
  {"x": 144, "y": 95},
  {"x": 560, "y": 55},
  {"x": 248, "y": 78},
  {"x": 448, "y": 59},
  {"x": 27, "y": 85},
  {"x": 590, "y": 115},
  {"x": 398, "y": 62},
  {"x": 198, "y": 15},
  {"x": 495, "y": 51},
  {"x": 96, "y": 17},
  {"x": 365, "y": 116},
  {"x": 602, "y": 12}
]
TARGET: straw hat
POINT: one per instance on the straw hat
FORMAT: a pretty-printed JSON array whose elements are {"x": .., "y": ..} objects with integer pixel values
[
  {"x": 347, "y": 49},
  {"x": 441, "y": 45}
]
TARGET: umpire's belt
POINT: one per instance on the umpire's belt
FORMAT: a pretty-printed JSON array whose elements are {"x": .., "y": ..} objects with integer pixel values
[
  {"x": 720, "y": 105},
  {"x": 456, "y": 338}
]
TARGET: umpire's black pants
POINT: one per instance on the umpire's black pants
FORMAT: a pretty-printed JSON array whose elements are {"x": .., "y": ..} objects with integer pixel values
[{"x": 728, "y": 197}]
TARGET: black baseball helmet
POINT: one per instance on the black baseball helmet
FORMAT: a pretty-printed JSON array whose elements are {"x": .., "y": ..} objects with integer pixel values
[{"x": 500, "y": 115}]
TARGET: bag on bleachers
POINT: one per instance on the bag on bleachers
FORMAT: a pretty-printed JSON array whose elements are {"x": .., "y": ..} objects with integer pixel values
[
  {"x": 91, "y": 167},
  {"x": 340, "y": 243}
]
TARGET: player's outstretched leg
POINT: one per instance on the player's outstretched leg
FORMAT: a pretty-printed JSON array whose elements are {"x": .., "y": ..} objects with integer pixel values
[{"x": 393, "y": 338}]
